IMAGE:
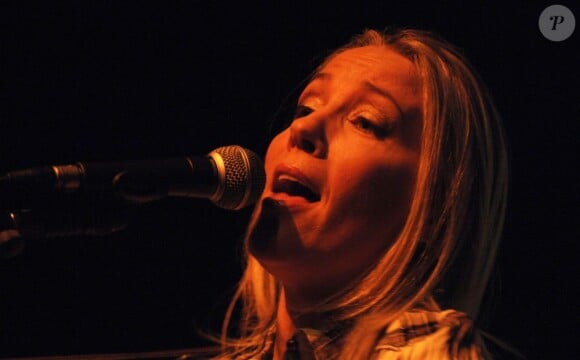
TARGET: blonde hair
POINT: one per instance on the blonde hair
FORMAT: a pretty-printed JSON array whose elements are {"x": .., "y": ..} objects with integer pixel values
[{"x": 445, "y": 252}]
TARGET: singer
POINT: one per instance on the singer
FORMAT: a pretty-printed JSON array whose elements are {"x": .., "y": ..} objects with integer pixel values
[{"x": 382, "y": 212}]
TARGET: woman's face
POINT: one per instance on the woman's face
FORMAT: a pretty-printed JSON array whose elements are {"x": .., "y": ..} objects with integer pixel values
[{"x": 343, "y": 173}]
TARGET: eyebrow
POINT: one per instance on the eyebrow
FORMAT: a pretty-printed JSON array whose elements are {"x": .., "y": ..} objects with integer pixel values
[{"x": 367, "y": 84}]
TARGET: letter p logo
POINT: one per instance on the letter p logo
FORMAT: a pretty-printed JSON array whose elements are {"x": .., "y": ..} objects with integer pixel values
[
  {"x": 557, "y": 23},
  {"x": 557, "y": 19}
]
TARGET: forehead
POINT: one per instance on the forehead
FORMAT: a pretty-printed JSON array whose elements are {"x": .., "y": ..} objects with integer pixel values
[{"x": 378, "y": 64}]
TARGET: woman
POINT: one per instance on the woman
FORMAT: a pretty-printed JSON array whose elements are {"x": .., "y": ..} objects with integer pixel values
[{"x": 383, "y": 208}]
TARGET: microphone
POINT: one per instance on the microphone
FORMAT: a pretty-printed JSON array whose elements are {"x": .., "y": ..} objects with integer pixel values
[{"x": 231, "y": 177}]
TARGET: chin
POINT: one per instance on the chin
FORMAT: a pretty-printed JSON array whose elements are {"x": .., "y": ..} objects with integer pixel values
[
  {"x": 263, "y": 229},
  {"x": 272, "y": 237}
]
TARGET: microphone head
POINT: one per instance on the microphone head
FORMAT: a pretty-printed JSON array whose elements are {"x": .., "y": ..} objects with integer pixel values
[{"x": 241, "y": 177}]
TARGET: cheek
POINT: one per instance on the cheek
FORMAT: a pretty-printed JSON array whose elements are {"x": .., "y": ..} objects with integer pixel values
[
  {"x": 275, "y": 150},
  {"x": 391, "y": 197},
  {"x": 276, "y": 147},
  {"x": 382, "y": 195},
  {"x": 366, "y": 213}
]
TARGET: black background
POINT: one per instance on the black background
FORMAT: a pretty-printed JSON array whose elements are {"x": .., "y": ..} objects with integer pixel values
[{"x": 121, "y": 80}]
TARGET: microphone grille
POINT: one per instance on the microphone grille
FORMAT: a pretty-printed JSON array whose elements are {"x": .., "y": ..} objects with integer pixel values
[{"x": 241, "y": 174}]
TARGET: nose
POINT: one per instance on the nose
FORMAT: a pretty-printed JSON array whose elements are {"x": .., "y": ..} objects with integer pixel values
[{"x": 308, "y": 134}]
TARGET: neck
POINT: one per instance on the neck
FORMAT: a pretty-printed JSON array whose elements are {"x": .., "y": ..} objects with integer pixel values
[
  {"x": 285, "y": 327},
  {"x": 288, "y": 320}
]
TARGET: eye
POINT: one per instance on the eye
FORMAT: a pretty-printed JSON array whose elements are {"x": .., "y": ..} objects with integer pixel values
[
  {"x": 302, "y": 111},
  {"x": 368, "y": 126}
]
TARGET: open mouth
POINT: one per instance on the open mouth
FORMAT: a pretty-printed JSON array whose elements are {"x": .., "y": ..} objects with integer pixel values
[{"x": 293, "y": 187}]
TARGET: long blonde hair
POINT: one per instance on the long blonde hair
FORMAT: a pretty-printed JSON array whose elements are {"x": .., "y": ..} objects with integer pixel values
[{"x": 445, "y": 252}]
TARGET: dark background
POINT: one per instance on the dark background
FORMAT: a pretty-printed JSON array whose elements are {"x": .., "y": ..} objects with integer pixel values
[{"x": 122, "y": 80}]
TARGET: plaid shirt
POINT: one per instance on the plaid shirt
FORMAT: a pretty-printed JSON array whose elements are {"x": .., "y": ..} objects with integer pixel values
[
  {"x": 428, "y": 335},
  {"x": 413, "y": 336}
]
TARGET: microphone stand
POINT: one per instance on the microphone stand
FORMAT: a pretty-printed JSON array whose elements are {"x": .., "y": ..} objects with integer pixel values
[
  {"x": 68, "y": 216},
  {"x": 25, "y": 215}
]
